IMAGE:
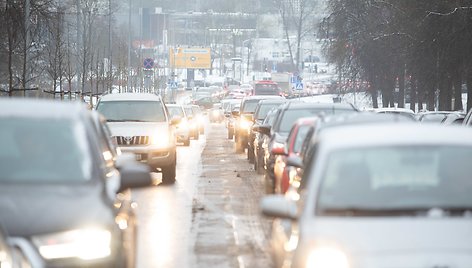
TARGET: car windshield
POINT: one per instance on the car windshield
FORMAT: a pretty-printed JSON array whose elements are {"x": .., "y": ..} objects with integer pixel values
[
  {"x": 188, "y": 111},
  {"x": 43, "y": 150},
  {"x": 249, "y": 106},
  {"x": 290, "y": 116},
  {"x": 138, "y": 111},
  {"x": 265, "y": 109},
  {"x": 396, "y": 179},
  {"x": 175, "y": 111}
]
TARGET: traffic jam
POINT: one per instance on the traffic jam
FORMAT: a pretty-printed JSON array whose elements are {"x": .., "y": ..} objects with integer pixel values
[
  {"x": 332, "y": 186},
  {"x": 236, "y": 134}
]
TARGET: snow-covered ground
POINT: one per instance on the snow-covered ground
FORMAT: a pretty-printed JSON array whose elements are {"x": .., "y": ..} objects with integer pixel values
[{"x": 362, "y": 100}]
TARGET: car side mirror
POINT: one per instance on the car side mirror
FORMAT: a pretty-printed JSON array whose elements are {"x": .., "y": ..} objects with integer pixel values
[
  {"x": 263, "y": 129},
  {"x": 295, "y": 161},
  {"x": 278, "y": 206},
  {"x": 134, "y": 175}
]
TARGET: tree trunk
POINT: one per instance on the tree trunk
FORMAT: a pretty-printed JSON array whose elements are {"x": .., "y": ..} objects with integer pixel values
[
  {"x": 413, "y": 94},
  {"x": 401, "y": 88},
  {"x": 469, "y": 88},
  {"x": 457, "y": 82},
  {"x": 442, "y": 86}
]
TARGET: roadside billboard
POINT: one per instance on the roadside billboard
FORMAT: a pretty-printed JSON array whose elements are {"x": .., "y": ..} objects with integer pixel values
[{"x": 190, "y": 58}]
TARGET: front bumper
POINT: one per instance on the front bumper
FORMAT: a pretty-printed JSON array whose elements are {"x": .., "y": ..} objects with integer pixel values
[{"x": 155, "y": 157}]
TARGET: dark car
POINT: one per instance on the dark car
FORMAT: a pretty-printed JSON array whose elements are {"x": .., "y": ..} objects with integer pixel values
[
  {"x": 262, "y": 108},
  {"x": 244, "y": 120},
  {"x": 64, "y": 189},
  {"x": 261, "y": 142},
  {"x": 286, "y": 116}
]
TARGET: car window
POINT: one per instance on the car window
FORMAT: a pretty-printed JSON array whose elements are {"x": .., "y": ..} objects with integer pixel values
[
  {"x": 397, "y": 178},
  {"x": 265, "y": 108},
  {"x": 249, "y": 106},
  {"x": 300, "y": 137},
  {"x": 175, "y": 111},
  {"x": 290, "y": 116},
  {"x": 140, "y": 111},
  {"x": 38, "y": 150}
]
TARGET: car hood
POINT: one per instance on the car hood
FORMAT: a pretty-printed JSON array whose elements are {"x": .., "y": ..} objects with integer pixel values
[
  {"x": 28, "y": 210},
  {"x": 392, "y": 242},
  {"x": 137, "y": 128}
]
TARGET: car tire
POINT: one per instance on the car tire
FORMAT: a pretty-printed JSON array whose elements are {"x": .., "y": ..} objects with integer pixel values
[
  {"x": 168, "y": 174},
  {"x": 238, "y": 145},
  {"x": 259, "y": 167},
  {"x": 269, "y": 184},
  {"x": 230, "y": 134},
  {"x": 250, "y": 155},
  {"x": 187, "y": 142}
]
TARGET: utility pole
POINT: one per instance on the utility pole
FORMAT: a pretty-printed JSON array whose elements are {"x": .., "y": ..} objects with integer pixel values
[
  {"x": 129, "y": 48},
  {"x": 78, "y": 44},
  {"x": 26, "y": 47},
  {"x": 110, "y": 50}
]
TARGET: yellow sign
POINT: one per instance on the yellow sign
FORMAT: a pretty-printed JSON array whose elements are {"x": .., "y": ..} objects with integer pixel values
[{"x": 190, "y": 58}]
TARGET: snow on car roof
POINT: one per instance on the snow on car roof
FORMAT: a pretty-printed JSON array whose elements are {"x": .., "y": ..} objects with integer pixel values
[
  {"x": 130, "y": 96},
  {"x": 397, "y": 134},
  {"x": 40, "y": 108}
]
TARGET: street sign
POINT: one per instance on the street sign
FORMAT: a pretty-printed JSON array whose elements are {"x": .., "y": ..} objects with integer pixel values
[
  {"x": 299, "y": 86},
  {"x": 190, "y": 58},
  {"x": 294, "y": 79},
  {"x": 173, "y": 84},
  {"x": 148, "y": 63}
]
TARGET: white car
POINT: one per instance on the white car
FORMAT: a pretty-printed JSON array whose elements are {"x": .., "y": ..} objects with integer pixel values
[
  {"x": 182, "y": 130},
  {"x": 140, "y": 124},
  {"x": 383, "y": 196}
]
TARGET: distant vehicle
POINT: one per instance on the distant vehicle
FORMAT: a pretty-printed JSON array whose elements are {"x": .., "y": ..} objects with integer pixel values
[
  {"x": 261, "y": 142},
  {"x": 141, "y": 124},
  {"x": 262, "y": 109},
  {"x": 360, "y": 206},
  {"x": 182, "y": 131},
  {"x": 193, "y": 123},
  {"x": 401, "y": 111},
  {"x": 68, "y": 186},
  {"x": 267, "y": 87},
  {"x": 287, "y": 114},
  {"x": 244, "y": 120},
  {"x": 441, "y": 117}
]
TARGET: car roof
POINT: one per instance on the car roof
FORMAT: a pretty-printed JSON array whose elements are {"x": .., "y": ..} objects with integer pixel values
[
  {"x": 130, "y": 96},
  {"x": 272, "y": 101},
  {"x": 304, "y": 105},
  {"x": 41, "y": 108},
  {"x": 263, "y": 97},
  {"x": 396, "y": 110},
  {"x": 398, "y": 134}
]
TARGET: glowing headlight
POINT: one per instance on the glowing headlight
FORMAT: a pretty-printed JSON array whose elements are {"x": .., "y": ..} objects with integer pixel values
[
  {"x": 161, "y": 139},
  {"x": 245, "y": 124},
  {"x": 325, "y": 257},
  {"x": 183, "y": 124},
  {"x": 86, "y": 244}
]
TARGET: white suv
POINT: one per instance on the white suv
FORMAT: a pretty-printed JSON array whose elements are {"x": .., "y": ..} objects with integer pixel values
[{"x": 141, "y": 124}]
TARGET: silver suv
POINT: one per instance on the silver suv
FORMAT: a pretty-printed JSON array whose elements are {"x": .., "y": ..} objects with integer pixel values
[{"x": 140, "y": 124}]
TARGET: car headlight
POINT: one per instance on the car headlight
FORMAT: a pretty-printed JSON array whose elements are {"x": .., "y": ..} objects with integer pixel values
[
  {"x": 85, "y": 244},
  {"x": 161, "y": 139},
  {"x": 327, "y": 257},
  {"x": 245, "y": 124},
  {"x": 183, "y": 124}
]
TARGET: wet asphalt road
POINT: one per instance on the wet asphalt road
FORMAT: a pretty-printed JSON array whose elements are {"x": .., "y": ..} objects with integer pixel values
[{"x": 210, "y": 217}]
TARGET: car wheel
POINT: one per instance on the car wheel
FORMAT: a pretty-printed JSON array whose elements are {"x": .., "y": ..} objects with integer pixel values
[
  {"x": 259, "y": 167},
  {"x": 230, "y": 134},
  {"x": 187, "y": 142},
  {"x": 269, "y": 184},
  {"x": 168, "y": 174},
  {"x": 250, "y": 155},
  {"x": 238, "y": 144}
]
